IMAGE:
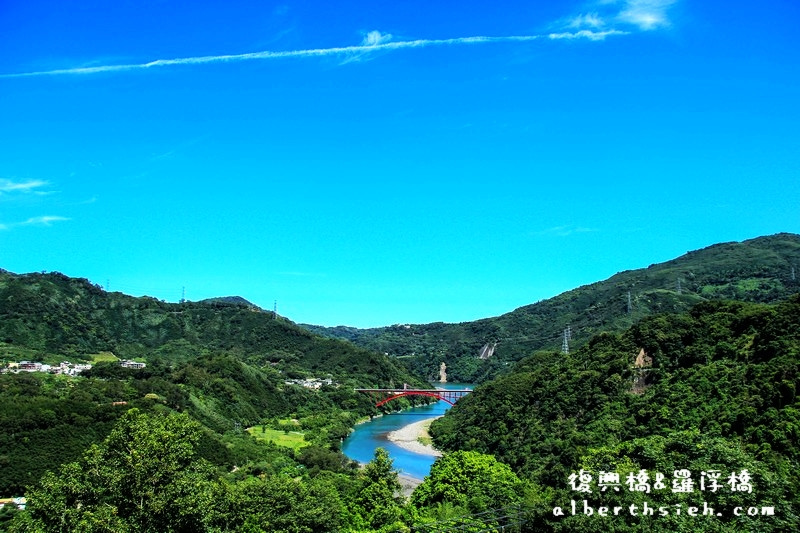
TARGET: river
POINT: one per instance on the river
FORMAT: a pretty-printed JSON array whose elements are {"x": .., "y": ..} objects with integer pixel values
[{"x": 361, "y": 443}]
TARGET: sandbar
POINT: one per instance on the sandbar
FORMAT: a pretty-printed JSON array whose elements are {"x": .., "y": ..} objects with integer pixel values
[{"x": 406, "y": 437}]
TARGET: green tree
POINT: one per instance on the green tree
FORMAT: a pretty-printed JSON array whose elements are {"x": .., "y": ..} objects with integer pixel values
[
  {"x": 144, "y": 477},
  {"x": 279, "y": 503},
  {"x": 7, "y": 513},
  {"x": 473, "y": 481},
  {"x": 377, "y": 499}
]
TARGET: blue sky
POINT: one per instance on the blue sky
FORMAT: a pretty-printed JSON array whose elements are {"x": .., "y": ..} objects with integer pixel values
[{"x": 371, "y": 163}]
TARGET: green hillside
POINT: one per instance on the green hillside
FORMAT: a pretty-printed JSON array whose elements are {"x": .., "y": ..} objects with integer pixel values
[
  {"x": 218, "y": 433},
  {"x": 764, "y": 270},
  {"x": 227, "y": 364},
  {"x": 51, "y": 317},
  {"x": 711, "y": 389}
]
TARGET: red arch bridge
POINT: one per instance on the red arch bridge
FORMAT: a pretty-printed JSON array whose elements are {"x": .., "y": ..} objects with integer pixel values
[{"x": 382, "y": 396}]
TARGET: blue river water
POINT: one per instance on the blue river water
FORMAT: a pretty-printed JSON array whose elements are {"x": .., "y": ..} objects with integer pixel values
[{"x": 361, "y": 443}]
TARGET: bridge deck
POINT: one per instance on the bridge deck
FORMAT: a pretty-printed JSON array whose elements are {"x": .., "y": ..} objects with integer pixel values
[{"x": 448, "y": 395}]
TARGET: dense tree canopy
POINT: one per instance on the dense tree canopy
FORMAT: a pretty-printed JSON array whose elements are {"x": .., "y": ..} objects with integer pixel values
[
  {"x": 145, "y": 476},
  {"x": 472, "y": 481},
  {"x": 712, "y": 389},
  {"x": 702, "y": 399}
]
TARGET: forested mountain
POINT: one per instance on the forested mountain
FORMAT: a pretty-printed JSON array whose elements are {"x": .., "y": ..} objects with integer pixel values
[
  {"x": 765, "y": 269},
  {"x": 237, "y": 300},
  {"x": 51, "y": 316},
  {"x": 699, "y": 389},
  {"x": 224, "y": 362},
  {"x": 164, "y": 447},
  {"x": 712, "y": 389}
]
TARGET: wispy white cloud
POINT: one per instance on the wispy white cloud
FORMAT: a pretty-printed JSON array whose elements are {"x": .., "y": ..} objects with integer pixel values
[
  {"x": 12, "y": 189},
  {"x": 29, "y": 186},
  {"x": 643, "y": 15},
  {"x": 591, "y": 20},
  {"x": 586, "y": 34},
  {"x": 373, "y": 41},
  {"x": 313, "y": 52},
  {"x": 646, "y": 14},
  {"x": 594, "y": 26},
  {"x": 369, "y": 45},
  {"x": 46, "y": 220},
  {"x": 43, "y": 221},
  {"x": 374, "y": 38},
  {"x": 564, "y": 231}
]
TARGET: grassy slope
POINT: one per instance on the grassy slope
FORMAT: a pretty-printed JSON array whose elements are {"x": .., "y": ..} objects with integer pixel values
[{"x": 289, "y": 439}]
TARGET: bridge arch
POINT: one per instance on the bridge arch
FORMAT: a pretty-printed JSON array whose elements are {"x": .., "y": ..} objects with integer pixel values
[
  {"x": 413, "y": 393},
  {"x": 384, "y": 396}
]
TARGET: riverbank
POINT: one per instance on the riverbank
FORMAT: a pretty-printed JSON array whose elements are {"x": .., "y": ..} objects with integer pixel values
[
  {"x": 407, "y": 437},
  {"x": 408, "y": 484}
]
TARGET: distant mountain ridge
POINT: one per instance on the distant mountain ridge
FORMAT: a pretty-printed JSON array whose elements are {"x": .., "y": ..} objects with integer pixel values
[
  {"x": 764, "y": 269},
  {"x": 50, "y": 315},
  {"x": 232, "y": 300}
]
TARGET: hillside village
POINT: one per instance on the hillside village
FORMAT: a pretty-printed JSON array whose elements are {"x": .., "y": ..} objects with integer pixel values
[{"x": 65, "y": 367}]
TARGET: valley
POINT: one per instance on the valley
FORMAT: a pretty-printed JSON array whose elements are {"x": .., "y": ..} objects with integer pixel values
[{"x": 685, "y": 365}]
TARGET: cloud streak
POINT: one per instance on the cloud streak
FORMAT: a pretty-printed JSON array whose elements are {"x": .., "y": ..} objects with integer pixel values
[
  {"x": 644, "y": 15},
  {"x": 8, "y": 186},
  {"x": 564, "y": 231},
  {"x": 12, "y": 189},
  {"x": 586, "y": 34},
  {"x": 641, "y": 15},
  {"x": 43, "y": 221},
  {"x": 46, "y": 220},
  {"x": 374, "y": 41}
]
